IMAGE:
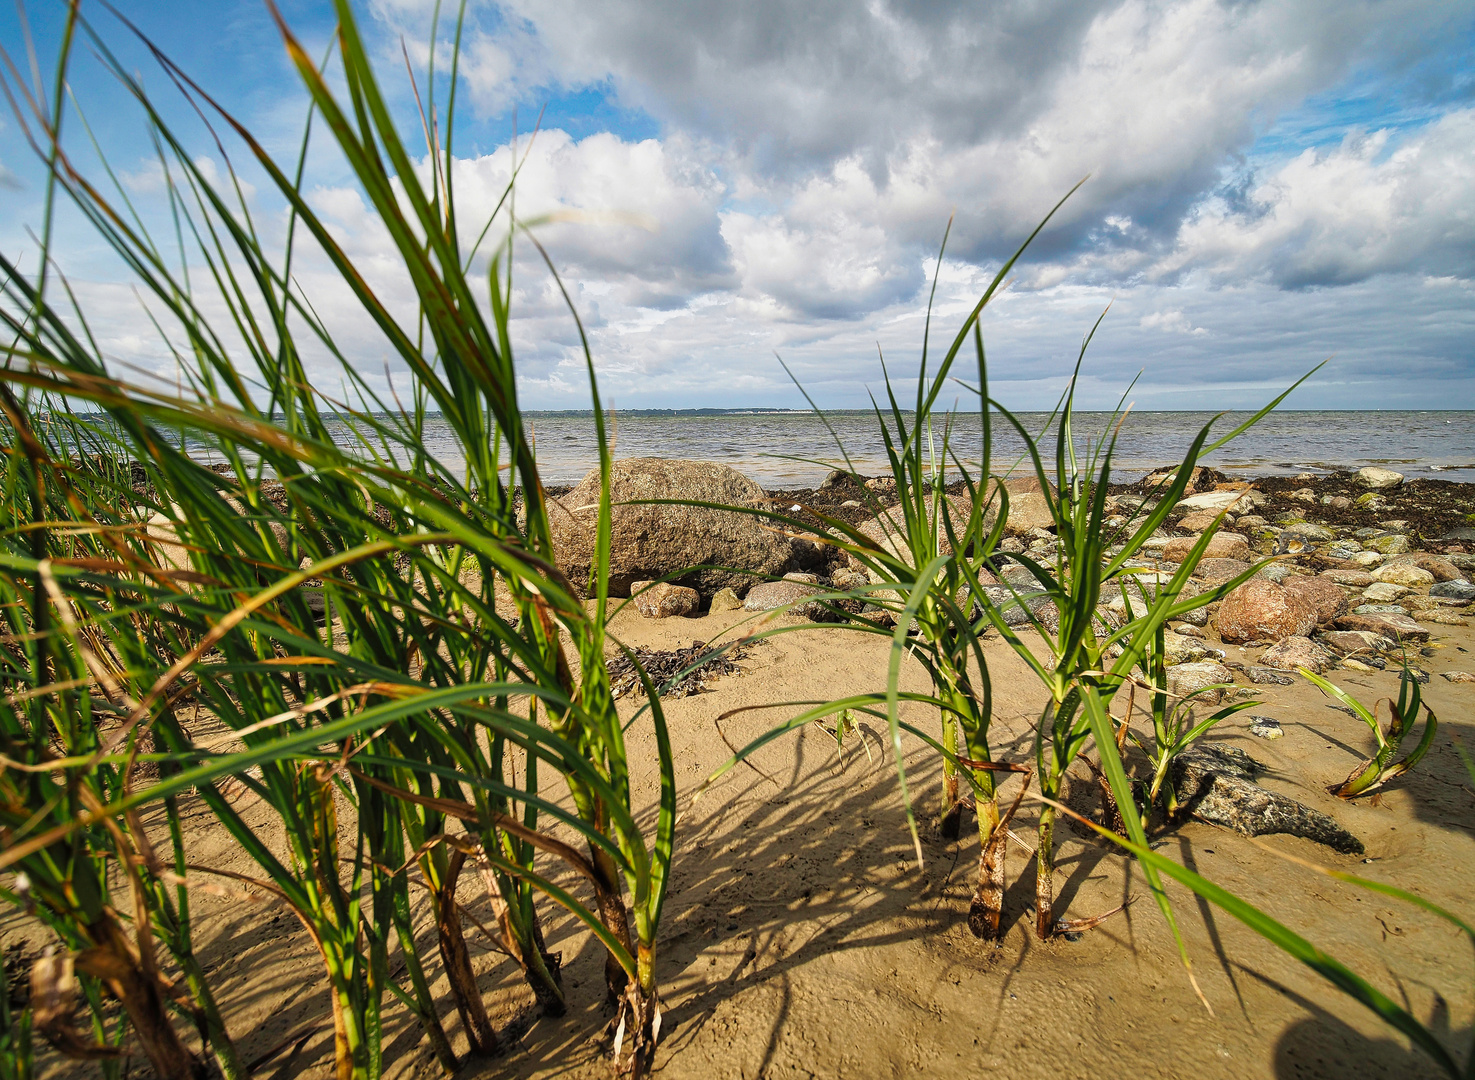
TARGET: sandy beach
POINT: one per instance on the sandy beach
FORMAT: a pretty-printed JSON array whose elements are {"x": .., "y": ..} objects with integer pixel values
[{"x": 801, "y": 937}]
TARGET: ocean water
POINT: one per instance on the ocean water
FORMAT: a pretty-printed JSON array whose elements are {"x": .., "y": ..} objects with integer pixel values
[{"x": 777, "y": 449}]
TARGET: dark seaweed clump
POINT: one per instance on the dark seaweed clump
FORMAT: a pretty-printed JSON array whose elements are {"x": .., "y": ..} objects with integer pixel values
[{"x": 663, "y": 665}]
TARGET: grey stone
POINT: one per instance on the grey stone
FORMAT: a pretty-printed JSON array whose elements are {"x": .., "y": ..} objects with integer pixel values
[
  {"x": 1264, "y": 676},
  {"x": 1438, "y": 565},
  {"x": 1398, "y": 573},
  {"x": 1454, "y": 590},
  {"x": 1179, "y": 649},
  {"x": 1355, "y": 578},
  {"x": 1378, "y": 479},
  {"x": 1349, "y": 642},
  {"x": 835, "y": 478},
  {"x": 1379, "y": 609},
  {"x": 1216, "y": 783},
  {"x": 1389, "y": 544},
  {"x": 1185, "y": 679},
  {"x": 1016, "y": 611},
  {"x": 1218, "y": 571},
  {"x": 1387, "y": 624},
  {"x": 1384, "y": 592},
  {"x": 1295, "y": 653},
  {"x": 1266, "y": 728},
  {"x": 1198, "y": 616},
  {"x": 773, "y": 595},
  {"x": 1311, "y": 531}
]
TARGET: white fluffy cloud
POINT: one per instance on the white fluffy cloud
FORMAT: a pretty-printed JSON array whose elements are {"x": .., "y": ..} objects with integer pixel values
[
  {"x": 809, "y": 157},
  {"x": 1375, "y": 204}
]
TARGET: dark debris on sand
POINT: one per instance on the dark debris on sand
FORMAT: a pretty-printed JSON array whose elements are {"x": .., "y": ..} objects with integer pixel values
[{"x": 663, "y": 665}]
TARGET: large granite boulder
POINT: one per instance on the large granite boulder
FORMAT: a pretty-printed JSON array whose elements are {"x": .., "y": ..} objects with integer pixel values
[
  {"x": 651, "y": 542},
  {"x": 1327, "y": 598},
  {"x": 1261, "y": 610}
]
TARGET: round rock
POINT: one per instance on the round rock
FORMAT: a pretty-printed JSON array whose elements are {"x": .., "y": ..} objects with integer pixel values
[
  {"x": 1298, "y": 652},
  {"x": 662, "y": 600},
  {"x": 1378, "y": 479},
  {"x": 1326, "y": 598},
  {"x": 1185, "y": 679},
  {"x": 1260, "y": 610},
  {"x": 649, "y": 542},
  {"x": 1224, "y": 545},
  {"x": 1404, "y": 574}
]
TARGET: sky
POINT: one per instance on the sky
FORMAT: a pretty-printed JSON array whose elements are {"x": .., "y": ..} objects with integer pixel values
[{"x": 724, "y": 186}]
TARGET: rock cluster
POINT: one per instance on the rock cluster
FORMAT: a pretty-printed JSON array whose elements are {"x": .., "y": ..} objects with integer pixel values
[
  {"x": 1352, "y": 590},
  {"x": 1364, "y": 567}
]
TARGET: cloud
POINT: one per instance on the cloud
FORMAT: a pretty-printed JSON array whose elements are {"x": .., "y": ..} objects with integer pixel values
[
  {"x": 993, "y": 108},
  {"x": 810, "y": 156},
  {"x": 1375, "y": 204},
  {"x": 1170, "y": 322}
]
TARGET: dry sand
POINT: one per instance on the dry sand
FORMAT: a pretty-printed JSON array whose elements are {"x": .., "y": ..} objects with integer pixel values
[{"x": 802, "y": 940}]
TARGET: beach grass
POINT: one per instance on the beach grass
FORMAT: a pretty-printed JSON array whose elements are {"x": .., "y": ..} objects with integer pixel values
[{"x": 371, "y": 637}]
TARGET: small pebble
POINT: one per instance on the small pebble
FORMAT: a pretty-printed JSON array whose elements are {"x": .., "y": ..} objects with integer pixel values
[
  {"x": 851, "y": 504},
  {"x": 1265, "y": 727},
  {"x": 1268, "y": 676},
  {"x": 1357, "y": 665},
  {"x": 1459, "y": 676}
]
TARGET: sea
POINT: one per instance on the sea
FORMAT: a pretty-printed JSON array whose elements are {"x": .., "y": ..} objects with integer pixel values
[{"x": 796, "y": 449}]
